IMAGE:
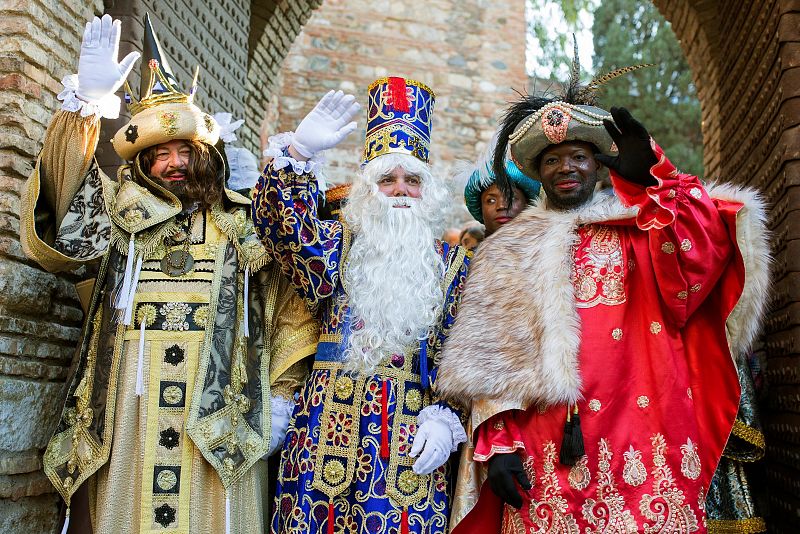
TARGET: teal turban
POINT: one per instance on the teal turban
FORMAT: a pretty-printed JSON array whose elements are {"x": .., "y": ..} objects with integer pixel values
[{"x": 479, "y": 182}]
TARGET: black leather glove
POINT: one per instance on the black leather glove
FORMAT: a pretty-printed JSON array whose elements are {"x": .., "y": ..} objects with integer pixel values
[
  {"x": 635, "y": 157},
  {"x": 504, "y": 470}
]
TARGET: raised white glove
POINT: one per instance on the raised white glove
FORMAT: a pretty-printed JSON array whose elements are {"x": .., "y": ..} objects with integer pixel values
[
  {"x": 99, "y": 74},
  {"x": 281, "y": 413},
  {"x": 327, "y": 124},
  {"x": 438, "y": 436}
]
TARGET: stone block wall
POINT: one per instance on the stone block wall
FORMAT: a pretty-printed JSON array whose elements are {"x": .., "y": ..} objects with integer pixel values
[
  {"x": 471, "y": 53},
  {"x": 40, "y": 319}
]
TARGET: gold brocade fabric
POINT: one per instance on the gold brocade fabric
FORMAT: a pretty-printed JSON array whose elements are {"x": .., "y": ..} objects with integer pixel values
[
  {"x": 146, "y": 470},
  {"x": 156, "y": 480},
  {"x": 114, "y": 491}
]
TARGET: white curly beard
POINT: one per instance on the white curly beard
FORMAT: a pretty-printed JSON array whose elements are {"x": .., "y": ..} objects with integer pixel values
[{"x": 393, "y": 273}]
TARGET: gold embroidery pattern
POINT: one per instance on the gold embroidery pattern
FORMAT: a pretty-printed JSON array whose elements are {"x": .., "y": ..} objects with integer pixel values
[
  {"x": 695, "y": 288},
  {"x": 634, "y": 473},
  {"x": 146, "y": 314},
  {"x": 696, "y": 193},
  {"x": 667, "y": 248},
  {"x": 594, "y": 405},
  {"x": 512, "y": 522},
  {"x": 172, "y": 395},
  {"x": 617, "y": 334},
  {"x": 686, "y": 245},
  {"x": 166, "y": 479},
  {"x": 665, "y": 508},
  {"x": 682, "y": 295},
  {"x": 550, "y": 514},
  {"x": 169, "y": 122},
  {"x": 175, "y": 314},
  {"x": 607, "y": 514},
  {"x": 200, "y": 316},
  {"x": 530, "y": 471},
  {"x": 690, "y": 461},
  {"x": 642, "y": 401},
  {"x": 599, "y": 271},
  {"x": 655, "y": 327},
  {"x": 414, "y": 400},
  {"x": 579, "y": 475}
]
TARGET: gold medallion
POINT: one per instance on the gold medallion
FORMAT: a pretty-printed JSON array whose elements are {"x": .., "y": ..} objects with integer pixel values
[{"x": 177, "y": 263}]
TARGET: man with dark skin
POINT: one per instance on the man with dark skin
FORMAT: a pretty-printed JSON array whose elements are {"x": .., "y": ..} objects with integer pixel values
[
  {"x": 568, "y": 172},
  {"x": 602, "y": 387}
]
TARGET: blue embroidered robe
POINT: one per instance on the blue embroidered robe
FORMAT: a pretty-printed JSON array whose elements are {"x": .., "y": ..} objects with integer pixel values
[{"x": 332, "y": 470}]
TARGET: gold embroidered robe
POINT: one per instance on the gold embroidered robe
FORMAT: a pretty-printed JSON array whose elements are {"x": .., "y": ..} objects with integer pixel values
[{"x": 162, "y": 461}]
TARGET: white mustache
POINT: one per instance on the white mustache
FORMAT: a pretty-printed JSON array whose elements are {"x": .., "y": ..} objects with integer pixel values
[{"x": 402, "y": 202}]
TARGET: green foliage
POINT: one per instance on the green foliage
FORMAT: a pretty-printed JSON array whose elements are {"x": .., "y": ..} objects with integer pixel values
[
  {"x": 662, "y": 97},
  {"x": 550, "y": 29},
  {"x": 629, "y": 32}
]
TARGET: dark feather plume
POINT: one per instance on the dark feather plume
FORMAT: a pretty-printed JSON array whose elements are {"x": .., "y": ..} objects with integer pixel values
[{"x": 516, "y": 113}]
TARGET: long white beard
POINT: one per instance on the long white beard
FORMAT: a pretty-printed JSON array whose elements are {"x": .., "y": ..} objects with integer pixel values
[{"x": 393, "y": 277}]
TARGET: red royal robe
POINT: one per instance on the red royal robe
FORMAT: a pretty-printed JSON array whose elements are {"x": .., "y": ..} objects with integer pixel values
[{"x": 658, "y": 387}]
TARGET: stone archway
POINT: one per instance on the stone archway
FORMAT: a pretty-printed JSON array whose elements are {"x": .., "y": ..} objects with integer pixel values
[{"x": 745, "y": 57}]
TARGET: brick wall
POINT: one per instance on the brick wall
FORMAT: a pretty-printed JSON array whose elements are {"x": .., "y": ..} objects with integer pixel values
[
  {"x": 745, "y": 56},
  {"x": 471, "y": 53},
  {"x": 39, "y": 318}
]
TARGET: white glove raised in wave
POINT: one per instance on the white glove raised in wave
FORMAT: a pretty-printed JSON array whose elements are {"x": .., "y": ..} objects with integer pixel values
[
  {"x": 99, "y": 74},
  {"x": 327, "y": 124}
]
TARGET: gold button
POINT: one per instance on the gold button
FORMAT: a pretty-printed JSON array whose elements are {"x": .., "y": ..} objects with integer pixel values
[
  {"x": 617, "y": 333},
  {"x": 667, "y": 248},
  {"x": 655, "y": 327}
]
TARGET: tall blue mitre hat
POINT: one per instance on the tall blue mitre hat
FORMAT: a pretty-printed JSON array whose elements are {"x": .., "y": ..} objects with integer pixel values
[{"x": 399, "y": 118}]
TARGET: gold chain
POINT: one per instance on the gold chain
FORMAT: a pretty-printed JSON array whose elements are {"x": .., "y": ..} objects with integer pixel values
[{"x": 186, "y": 243}]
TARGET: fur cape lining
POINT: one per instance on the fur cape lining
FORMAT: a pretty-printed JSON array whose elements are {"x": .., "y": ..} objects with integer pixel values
[{"x": 533, "y": 358}]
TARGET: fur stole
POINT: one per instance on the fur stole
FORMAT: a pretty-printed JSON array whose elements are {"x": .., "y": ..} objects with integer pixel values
[{"x": 517, "y": 335}]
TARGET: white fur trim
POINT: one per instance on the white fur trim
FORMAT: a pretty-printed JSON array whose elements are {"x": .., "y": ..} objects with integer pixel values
[
  {"x": 443, "y": 414},
  {"x": 107, "y": 107},
  {"x": 534, "y": 359},
  {"x": 752, "y": 237}
]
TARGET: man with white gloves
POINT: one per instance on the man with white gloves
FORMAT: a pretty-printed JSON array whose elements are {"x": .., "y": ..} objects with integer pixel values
[
  {"x": 193, "y": 342},
  {"x": 369, "y": 441}
]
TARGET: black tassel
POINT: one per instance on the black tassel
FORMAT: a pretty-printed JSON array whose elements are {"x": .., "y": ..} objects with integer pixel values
[{"x": 572, "y": 448}]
